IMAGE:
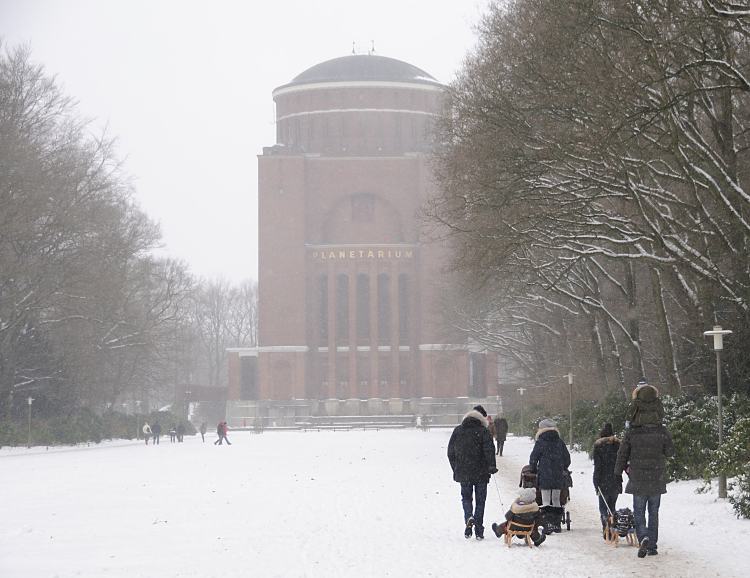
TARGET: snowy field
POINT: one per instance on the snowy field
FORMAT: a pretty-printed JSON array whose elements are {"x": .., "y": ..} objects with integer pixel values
[{"x": 315, "y": 504}]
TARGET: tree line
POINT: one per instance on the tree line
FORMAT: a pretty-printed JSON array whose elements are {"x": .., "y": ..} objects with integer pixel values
[
  {"x": 89, "y": 316},
  {"x": 593, "y": 172}
]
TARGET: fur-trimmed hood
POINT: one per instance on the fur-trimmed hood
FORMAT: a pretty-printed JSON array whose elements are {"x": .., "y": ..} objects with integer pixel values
[
  {"x": 542, "y": 430},
  {"x": 645, "y": 392},
  {"x": 607, "y": 440},
  {"x": 520, "y": 507},
  {"x": 472, "y": 413}
]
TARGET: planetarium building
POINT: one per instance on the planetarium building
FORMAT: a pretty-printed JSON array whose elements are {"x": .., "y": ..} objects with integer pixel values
[{"x": 349, "y": 293}]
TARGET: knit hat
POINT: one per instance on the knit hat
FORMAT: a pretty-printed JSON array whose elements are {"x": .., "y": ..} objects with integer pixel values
[
  {"x": 607, "y": 431},
  {"x": 527, "y": 495},
  {"x": 547, "y": 423},
  {"x": 481, "y": 410}
]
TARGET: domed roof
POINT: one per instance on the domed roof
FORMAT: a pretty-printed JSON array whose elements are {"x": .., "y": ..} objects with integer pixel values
[{"x": 363, "y": 67}]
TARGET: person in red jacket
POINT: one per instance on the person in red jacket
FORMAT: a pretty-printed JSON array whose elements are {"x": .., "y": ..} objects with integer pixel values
[{"x": 221, "y": 430}]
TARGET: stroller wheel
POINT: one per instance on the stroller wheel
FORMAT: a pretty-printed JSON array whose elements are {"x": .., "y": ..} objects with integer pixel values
[{"x": 567, "y": 521}]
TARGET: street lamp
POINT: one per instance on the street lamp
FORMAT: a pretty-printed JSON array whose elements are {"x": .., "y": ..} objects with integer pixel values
[
  {"x": 570, "y": 386},
  {"x": 30, "y": 400},
  {"x": 520, "y": 391},
  {"x": 187, "y": 404},
  {"x": 718, "y": 334}
]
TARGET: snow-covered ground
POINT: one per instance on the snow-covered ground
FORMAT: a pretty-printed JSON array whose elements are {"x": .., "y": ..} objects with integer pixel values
[{"x": 315, "y": 504}]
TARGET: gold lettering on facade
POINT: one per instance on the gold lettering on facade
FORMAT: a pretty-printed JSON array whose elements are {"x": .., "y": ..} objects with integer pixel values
[{"x": 344, "y": 253}]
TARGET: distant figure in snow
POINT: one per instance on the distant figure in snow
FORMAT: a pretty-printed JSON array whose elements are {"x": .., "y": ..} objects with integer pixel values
[
  {"x": 172, "y": 434},
  {"x": 203, "y": 431},
  {"x": 146, "y": 432},
  {"x": 180, "y": 432},
  {"x": 221, "y": 431},
  {"x": 156, "y": 430},
  {"x": 501, "y": 432},
  {"x": 419, "y": 422},
  {"x": 606, "y": 484},
  {"x": 642, "y": 455},
  {"x": 471, "y": 454}
]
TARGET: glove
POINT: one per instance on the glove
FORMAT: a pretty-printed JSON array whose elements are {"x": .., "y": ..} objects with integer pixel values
[{"x": 493, "y": 471}]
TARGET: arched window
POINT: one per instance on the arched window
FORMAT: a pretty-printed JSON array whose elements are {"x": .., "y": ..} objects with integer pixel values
[
  {"x": 384, "y": 309},
  {"x": 363, "y": 308}
]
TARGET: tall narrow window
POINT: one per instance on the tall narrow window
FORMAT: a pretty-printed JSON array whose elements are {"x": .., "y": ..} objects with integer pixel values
[
  {"x": 323, "y": 310},
  {"x": 403, "y": 308},
  {"x": 384, "y": 309},
  {"x": 363, "y": 308},
  {"x": 342, "y": 309}
]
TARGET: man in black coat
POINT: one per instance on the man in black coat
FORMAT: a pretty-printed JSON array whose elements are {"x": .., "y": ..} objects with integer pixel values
[
  {"x": 643, "y": 453},
  {"x": 501, "y": 432},
  {"x": 606, "y": 484},
  {"x": 471, "y": 454}
]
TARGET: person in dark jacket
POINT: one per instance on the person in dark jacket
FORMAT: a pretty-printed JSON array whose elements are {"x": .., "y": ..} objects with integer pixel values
[
  {"x": 156, "y": 429},
  {"x": 549, "y": 460},
  {"x": 472, "y": 458},
  {"x": 523, "y": 510},
  {"x": 501, "y": 432},
  {"x": 642, "y": 455},
  {"x": 606, "y": 484},
  {"x": 180, "y": 432},
  {"x": 203, "y": 431}
]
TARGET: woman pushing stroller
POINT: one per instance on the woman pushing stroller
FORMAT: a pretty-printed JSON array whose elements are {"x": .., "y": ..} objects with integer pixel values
[{"x": 550, "y": 460}]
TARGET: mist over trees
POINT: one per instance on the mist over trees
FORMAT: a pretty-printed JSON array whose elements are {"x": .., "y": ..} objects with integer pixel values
[
  {"x": 89, "y": 317},
  {"x": 593, "y": 166}
]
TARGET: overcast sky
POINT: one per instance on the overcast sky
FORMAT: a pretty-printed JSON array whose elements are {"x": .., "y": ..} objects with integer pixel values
[{"x": 185, "y": 86}]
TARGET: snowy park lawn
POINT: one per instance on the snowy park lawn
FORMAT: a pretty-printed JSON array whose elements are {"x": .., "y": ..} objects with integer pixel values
[{"x": 315, "y": 504}]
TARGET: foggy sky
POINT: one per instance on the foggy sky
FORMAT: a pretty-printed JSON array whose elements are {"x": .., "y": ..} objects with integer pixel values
[{"x": 185, "y": 86}]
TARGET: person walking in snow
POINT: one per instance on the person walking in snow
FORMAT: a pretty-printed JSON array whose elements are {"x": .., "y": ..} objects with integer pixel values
[
  {"x": 642, "y": 455},
  {"x": 472, "y": 458},
  {"x": 607, "y": 485},
  {"x": 203, "y": 431},
  {"x": 172, "y": 434},
  {"x": 181, "y": 432},
  {"x": 501, "y": 432},
  {"x": 221, "y": 431},
  {"x": 549, "y": 459},
  {"x": 156, "y": 430},
  {"x": 146, "y": 432}
]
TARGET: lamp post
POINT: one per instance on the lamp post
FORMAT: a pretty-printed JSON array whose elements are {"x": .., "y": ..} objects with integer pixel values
[
  {"x": 570, "y": 408},
  {"x": 520, "y": 391},
  {"x": 718, "y": 334},
  {"x": 187, "y": 404},
  {"x": 137, "y": 421},
  {"x": 29, "y": 400}
]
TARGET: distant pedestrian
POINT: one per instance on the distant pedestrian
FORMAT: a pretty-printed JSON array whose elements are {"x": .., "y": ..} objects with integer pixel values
[
  {"x": 180, "y": 432},
  {"x": 607, "y": 485},
  {"x": 419, "y": 422},
  {"x": 172, "y": 434},
  {"x": 146, "y": 432},
  {"x": 472, "y": 458},
  {"x": 501, "y": 432},
  {"x": 642, "y": 455},
  {"x": 221, "y": 431},
  {"x": 156, "y": 430},
  {"x": 203, "y": 431}
]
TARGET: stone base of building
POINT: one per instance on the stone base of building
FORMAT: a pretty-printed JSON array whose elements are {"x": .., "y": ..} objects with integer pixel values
[{"x": 300, "y": 413}]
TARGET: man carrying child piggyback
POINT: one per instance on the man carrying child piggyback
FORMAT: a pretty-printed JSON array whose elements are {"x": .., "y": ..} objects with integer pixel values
[{"x": 642, "y": 455}]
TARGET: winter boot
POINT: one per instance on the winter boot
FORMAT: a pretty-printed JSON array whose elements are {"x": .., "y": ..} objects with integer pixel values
[
  {"x": 469, "y": 526},
  {"x": 643, "y": 548},
  {"x": 479, "y": 533},
  {"x": 497, "y": 529},
  {"x": 541, "y": 538}
]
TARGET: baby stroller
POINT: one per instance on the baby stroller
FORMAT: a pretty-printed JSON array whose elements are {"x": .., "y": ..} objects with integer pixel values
[{"x": 554, "y": 517}]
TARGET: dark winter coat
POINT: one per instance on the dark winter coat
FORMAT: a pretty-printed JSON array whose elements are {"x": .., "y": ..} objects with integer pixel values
[
  {"x": 501, "y": 428},
  {"x": 605, "y": 457},
  {"x": 156, "y": 428},
  {"x": 471, "y": 451},
  {"x": 644, "y": 451},
  {"x": 549, "y": 459},
  {"x": 646, "y": 407}
]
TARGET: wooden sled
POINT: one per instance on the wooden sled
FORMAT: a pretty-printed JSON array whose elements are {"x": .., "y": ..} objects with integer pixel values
[
  {"x": 612, "y": 537},
  {"x": 521, "y": 530}
]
